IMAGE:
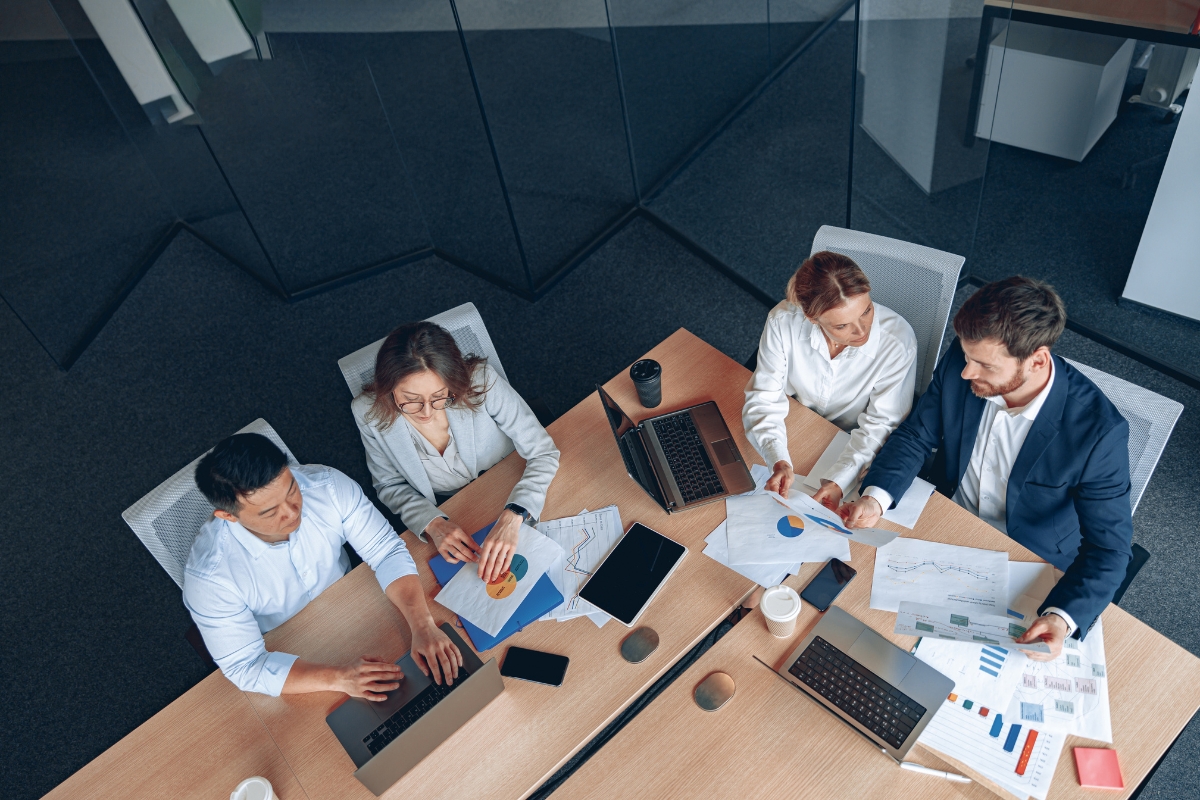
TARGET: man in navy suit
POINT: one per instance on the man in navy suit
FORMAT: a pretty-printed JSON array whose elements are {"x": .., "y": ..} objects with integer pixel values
[{"x": 1027, "y": 443}]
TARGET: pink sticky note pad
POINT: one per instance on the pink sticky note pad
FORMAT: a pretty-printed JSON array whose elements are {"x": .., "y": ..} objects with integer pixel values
[{"x": 1098, "y": 768}]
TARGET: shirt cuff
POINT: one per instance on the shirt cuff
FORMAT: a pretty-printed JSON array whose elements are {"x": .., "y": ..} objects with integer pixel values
[
  {"x": 274, "y": 673},
  {"x": 1071, "y": 626},
  {"x": 884, "y": 499},
  {"x": 773, "y": 453},
  {"x": 843, "y": 476}
]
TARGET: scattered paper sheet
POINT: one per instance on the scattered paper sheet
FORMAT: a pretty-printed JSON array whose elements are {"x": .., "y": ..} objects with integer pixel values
[
  {"x": 1018, "y": 756},
  {"x": 935, "y": 622},
  {"x": 827, "y": 460},
  {"x": 1070, "y": 693},
  {"x": 762, "y": 530},
  {"x": 585, "y": 540},
  {"x": 488, "y": 606},
  {"x": 939, "y": 575},
  {"x": 717, "y": 548},
  {"x": 974, "y": 668}
]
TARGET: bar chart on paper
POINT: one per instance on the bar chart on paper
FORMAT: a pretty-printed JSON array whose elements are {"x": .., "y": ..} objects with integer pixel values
[
  {"x": 1015, "y": 754},
  {"x": 938, "y": 574}
]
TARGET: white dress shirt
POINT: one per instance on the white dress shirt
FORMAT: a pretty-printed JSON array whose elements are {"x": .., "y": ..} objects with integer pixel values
[
  {"x": 866, "y": 390},
  {"x": 983, "y": 489},
  {"x": 237, "y": 587},
  {"x": 447, "y": 472}
]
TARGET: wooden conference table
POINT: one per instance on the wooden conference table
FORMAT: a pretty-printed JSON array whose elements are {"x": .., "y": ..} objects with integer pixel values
[
  {"x": 770, "y": 742},
  {"x": 212, "y": 737},
  {"x": 207, "y": 741}
]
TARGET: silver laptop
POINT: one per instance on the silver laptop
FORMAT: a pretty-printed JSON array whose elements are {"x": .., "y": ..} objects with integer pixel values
[
  {"x": 386, "y": 739},
  {"x": 884, "y": 693},
  {"x": 682, "y": 459}
]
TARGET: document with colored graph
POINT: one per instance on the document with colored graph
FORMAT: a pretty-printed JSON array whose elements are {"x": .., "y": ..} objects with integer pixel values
[
  {"x": 585, "y": 540},
  {"x": 939, "y": 575},
  {"x": 918, "y": 619}
]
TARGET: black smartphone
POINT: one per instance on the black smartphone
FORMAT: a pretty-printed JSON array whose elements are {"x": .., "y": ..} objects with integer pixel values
[
  {"x": 534, "y": 665},
  {"x": 824, "y": 589}
]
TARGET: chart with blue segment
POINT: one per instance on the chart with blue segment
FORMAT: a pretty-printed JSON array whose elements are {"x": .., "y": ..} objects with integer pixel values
[{"x": 991, "y": 660}]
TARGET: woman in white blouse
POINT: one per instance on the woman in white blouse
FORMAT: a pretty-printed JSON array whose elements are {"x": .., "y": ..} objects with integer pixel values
[
  {"x": 431, "y": 421},
  {"x": 850, "y": 360}
]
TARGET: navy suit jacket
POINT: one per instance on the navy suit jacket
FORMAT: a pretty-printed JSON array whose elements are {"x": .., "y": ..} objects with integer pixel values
[{"x": 1068, "y": 493}]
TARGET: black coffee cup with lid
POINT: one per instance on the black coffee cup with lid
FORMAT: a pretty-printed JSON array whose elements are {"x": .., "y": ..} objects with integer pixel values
[{"x": 647, "y": 377}]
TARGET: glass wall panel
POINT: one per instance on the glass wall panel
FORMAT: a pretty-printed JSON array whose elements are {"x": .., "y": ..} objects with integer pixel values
[
  {"x": 80, "y": 209},
  {"x": 918, "y": 164},
  {"x": 684, "y": 68},
  {"x": 757, "y": 194},
  {"x": 548, "y": 81}
]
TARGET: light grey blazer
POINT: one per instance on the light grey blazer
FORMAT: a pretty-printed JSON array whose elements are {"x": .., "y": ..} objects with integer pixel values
[{"x": 483, "y": 437}]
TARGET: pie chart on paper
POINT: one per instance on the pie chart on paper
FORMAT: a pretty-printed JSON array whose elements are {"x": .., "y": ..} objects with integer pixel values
[
  {"x": 505, "y": 584},
  {"x": 790, "y": 526}
]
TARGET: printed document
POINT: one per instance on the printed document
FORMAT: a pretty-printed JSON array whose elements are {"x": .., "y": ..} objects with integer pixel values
[
  {"x": 585, "y": 539},
  {"x": 908, "y": 508},
  {"x": 935, "y": 622},
  {"x": 939, "y": 575},
  {"x": 762, "y": 530},
  {"x": 717, "y": 548}
]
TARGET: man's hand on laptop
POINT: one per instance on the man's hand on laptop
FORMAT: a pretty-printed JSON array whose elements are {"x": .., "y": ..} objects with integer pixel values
[
  {"x": 369, "y": 677},
  {"x": 435, "y": 654},
  {"x": 781, "y": 479},
  {"x": 865, "y": 512}
]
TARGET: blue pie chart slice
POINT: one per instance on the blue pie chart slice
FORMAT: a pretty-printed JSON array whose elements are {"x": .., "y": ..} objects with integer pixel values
[
  {"x": 519, "y": 566},
  {"x": 790, "y": 526}
]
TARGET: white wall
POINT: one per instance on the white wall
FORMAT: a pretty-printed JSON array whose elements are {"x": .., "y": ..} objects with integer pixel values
[{"x": 1166, "y": 269}]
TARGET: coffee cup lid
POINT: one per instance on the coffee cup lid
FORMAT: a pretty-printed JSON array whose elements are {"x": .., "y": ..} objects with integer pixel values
[
  {"x": 645, "y": 370},
  {"x": 780, "y": 603}
]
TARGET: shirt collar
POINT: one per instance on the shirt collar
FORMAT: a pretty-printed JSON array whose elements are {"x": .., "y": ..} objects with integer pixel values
[
  {"x": 254, "y": 545},
  {"x": 1031, "y": 409},
  {"x": 817, "y": 339}
]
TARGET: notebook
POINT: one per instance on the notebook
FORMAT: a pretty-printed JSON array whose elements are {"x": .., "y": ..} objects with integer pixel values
[
  {"x": 1098, "y": 768},
  {"x": 543, "y": 598}
]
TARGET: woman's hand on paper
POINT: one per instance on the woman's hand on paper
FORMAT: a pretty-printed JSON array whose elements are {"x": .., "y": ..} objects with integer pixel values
[
  {"x": 499, "y": 546},
  {"x": 829, "y": 495},
  {"x": 865, "y": 512},
  {"x": 781, "y": 479},
  {"x": 452, "y": 541}
]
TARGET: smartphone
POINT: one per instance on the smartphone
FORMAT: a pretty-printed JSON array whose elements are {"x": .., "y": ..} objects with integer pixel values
[
  {"x": 824, "y": 589},
  {"x": 534, "y": 665}
]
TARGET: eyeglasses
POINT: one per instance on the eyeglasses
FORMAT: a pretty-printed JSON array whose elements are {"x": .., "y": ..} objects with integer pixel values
[{"x": 417, "y": 406}]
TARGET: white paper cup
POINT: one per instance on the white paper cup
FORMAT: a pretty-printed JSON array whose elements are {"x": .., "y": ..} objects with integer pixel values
[
  {"x": 780, "y": 606},
  {"x": 256, "y": 788}
]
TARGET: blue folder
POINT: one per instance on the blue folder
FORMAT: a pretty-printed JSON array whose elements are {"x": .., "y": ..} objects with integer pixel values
[{"x": 543, "y": 598}]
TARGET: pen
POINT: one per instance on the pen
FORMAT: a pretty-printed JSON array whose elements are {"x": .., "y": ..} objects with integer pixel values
[{"x": 950, "y": 776}]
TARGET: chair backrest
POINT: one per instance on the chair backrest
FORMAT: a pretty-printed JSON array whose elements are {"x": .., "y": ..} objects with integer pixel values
[
  {"x": 916, "y": 282},
  {"x": 1151, "y": 419},
  {"x": 463, "y": 323},
  {"x": 168, "y": 519}
]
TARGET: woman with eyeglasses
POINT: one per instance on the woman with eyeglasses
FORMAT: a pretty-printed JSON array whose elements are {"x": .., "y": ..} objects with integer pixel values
[{"x": 432, "y": 420}]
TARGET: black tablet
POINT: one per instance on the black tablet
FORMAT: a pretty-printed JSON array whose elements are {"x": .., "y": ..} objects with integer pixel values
[{"x": 627, "y": 580}]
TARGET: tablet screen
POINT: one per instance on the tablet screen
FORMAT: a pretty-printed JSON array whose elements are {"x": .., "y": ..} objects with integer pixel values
[{"x": 632, "y": 573}]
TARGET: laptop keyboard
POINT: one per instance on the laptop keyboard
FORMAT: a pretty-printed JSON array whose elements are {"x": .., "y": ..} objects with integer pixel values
[
  {"x": 693, "y": 471},
  {"x": 413, "y": 710},
  {"x": 880, "y": 707}
]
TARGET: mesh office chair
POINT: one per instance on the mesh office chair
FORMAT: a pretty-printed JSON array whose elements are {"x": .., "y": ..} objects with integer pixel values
[
  {"x": 914, "y": 281},
  {"x": 168, "y": 519},
  {"x": 1151, "y": 419},
  {"x": 462, "y": 322}
]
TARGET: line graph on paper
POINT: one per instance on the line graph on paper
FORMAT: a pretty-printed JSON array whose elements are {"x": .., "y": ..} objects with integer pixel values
[
  {"x": 585, "y": 540},
  {"x": 939, "y": 575}
]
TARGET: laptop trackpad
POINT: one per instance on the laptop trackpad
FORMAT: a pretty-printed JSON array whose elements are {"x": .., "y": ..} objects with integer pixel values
[
  {"x": 726, "y": 452},
  {"x": 881, "y": 657}
]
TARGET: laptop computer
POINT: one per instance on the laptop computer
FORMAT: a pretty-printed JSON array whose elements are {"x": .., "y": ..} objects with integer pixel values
[
  {"x": 682, "y": 459},
  {"x": 884, "y": 693},
  {"x": 388, "y": 738}
]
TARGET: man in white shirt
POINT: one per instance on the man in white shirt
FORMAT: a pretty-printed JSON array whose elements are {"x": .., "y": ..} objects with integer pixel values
[
  {"x": 275, "y": 543},
  {"x": 1027, "y": 443}
]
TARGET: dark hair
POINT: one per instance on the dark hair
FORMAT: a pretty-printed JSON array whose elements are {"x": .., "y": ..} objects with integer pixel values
[
  {"x": 238, "y": 466},
  {"x": 415, "y": 347},
  {"x": 1023, "y": 313},
  {"x": 825, "y": 280}
]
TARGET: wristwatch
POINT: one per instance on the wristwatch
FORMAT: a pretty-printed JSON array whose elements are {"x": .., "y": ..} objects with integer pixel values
[{"x": 519, "y": 511}]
